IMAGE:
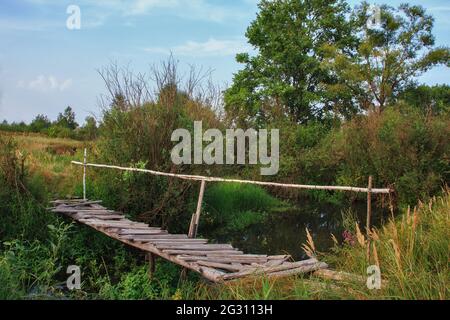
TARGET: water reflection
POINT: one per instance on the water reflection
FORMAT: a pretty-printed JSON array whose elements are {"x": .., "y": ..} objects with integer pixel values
[{"x": 284, "y": 232}]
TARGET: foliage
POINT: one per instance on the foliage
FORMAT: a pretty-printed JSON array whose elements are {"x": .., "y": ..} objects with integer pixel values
[
  {"x": 285, "y": 76},
  {"x": 434, "y": 100},
  {"x": 64, "y": 127},
  {"x": 40, "y": 123},
  {"x": 67, "y": 119},
  {"x": 388, "y": 57},
  {"x": 136, "y": 285},
  {"x": 32, "y": 266},
  {"x": 309, "y": 79},
  {"x": 416, "y": 169},
  {"x": 89, "y": 131}
]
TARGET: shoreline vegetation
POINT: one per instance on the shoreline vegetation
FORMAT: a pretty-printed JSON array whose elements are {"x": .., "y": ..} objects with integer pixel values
[
  {"x": 347, "y": 104},
  {"x": 411, "y": 250}
]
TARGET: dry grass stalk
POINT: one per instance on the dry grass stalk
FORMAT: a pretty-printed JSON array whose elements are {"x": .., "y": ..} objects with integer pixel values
[
  {"x": 309, "y": 247},
  {"x": 360, "y": 237}
]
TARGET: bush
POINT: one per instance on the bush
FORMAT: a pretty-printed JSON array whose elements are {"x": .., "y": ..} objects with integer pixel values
[
  {"x": 136, "y": 284},
  {"x": 27, "y": 266},
  {"x": 401, "y": 148}
]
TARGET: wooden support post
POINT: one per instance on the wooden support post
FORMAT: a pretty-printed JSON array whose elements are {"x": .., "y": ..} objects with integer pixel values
[
  {"x": 84, "y": 173},
  {"x": 369, "y": 205},
  {"x": 196, "y": 218},
  {"x": 191, "y": 226},
  {"x": 151, "y": 265}
]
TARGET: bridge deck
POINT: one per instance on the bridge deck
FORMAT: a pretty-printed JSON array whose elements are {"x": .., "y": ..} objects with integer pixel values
[{"x": 215, "y": 262}]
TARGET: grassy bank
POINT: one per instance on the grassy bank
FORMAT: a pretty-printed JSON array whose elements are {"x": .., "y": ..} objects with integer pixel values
[
  {"x": 411, "y": 249},
  {"x": 412, "y": 252}
]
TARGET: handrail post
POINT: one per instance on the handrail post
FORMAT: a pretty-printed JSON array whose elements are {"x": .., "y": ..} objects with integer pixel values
[
  {"x": 369, "y": 204},
  {"x": 195, "y": 220},
  {"x": 84, "y": 174}
]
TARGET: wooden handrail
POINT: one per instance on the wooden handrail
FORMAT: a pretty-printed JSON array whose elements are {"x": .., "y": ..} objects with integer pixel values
[{"x": 217, "y": 179}]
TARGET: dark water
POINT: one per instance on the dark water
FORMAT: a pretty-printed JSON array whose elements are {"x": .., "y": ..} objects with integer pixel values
[{"x": 285, "y": 232}]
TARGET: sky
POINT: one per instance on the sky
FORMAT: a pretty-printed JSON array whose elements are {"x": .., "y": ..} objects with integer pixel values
[{"x": 45, "y": 66}]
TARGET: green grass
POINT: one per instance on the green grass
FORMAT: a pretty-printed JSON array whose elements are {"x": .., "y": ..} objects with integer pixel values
[{"x": 233, "y": 206}]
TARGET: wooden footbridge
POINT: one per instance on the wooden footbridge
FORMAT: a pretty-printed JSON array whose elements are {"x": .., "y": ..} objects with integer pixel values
[{"x": 215, "y": 262}]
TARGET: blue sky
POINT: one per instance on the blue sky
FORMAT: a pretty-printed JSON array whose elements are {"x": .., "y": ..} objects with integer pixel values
[{"x": 44, "y": 66}]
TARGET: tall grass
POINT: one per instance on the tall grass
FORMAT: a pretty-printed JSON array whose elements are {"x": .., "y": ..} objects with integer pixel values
[
  {"x": 231, "y": 207},
  {"x": 411, "y": 251}
]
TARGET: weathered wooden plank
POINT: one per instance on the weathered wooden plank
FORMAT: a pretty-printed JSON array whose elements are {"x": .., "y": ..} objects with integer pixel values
[
  {"x": 114, "y": 224},
  {"x": 177, "y": 242},
  {"x": 219, "y": 259},
  {"x": 274, "y": 263},
  {"x": 139, "y": 232},
  {"x": 149, "y": 238},
  {"x": 280, "y": 257},
  {"x": 109, "y": 225},
  {"x": 267, "y": 270},
  {"x": 137, "y": 238},
  {"x": 233, "y": 256},
  {"x": 81, "y": 204},
  {"x": 98, "y": 217},
  {"x": 123, "y": 221},
  {"x": 211, "y": 273},
  {"x": 89, "y": 210},
  {"x": 302, "y": 269},
  {"x": 197, "y": 252},
  {"x": 205, "y": 247},
  {"x": 68, "y": 200},
  {"x": 222, "y": 266}
]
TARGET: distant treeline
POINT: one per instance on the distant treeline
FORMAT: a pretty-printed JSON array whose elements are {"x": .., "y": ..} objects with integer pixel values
[{"x": 65, "y": 126}]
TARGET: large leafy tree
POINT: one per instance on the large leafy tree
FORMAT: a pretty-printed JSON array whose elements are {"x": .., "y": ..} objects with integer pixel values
[
  {"x": 67, "y": 119},
  {"x": 389, "y": 57},
  {"x": 40, "y": 123},
  {"x": 286, "y": 72}
]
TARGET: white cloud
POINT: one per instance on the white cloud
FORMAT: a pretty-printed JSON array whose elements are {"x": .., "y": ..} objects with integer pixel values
[
  {"x": 187, "y": 9},
  {"x": 211, "y": 47},
  {"x": 139, "y": 7},
  {"x": 44, "y": 83}
]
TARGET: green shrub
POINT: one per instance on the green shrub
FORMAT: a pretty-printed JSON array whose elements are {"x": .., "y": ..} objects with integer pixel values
[
  {"x": 136, "y": 284},
  {"x": 32, "y": 265},
  {"x": 401, "y": 148}
]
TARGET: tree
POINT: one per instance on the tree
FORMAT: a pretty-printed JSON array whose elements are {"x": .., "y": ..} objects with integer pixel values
[
  {"x": 40, "y": 123},
  {"x": 435, "y": 99},
  {"x": 89, "y": 130},
  {"x": 286, "y": 71},
  {"x": 388, "y": 58},
  {"x": 67, "y": 119}
]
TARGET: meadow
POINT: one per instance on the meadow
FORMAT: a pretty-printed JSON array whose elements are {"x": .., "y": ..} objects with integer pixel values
[
  {"x": 348, "y": 104},
  {"x": 411, "y": 248}
]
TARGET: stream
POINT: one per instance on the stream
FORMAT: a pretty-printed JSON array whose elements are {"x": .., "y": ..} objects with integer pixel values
[{"x": 285, "y": 232}]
